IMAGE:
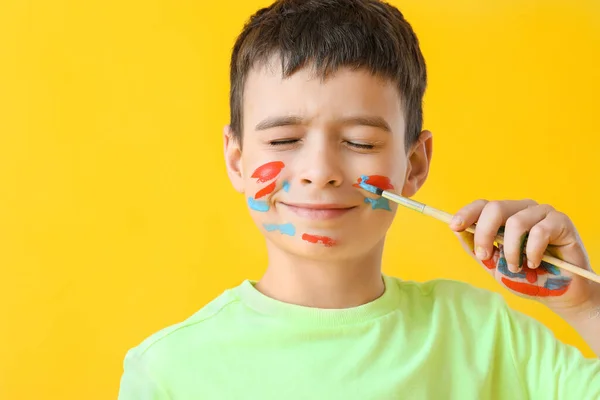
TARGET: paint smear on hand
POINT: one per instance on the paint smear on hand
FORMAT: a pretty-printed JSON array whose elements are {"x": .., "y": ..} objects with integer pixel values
[
  {"x": 326, "y": 241},
  {"x": 268, "y": 171},
  {"x": 285, "y": 229},
  {"x": 556, "y": 285},
  {"x": 552, "y": 288},
  {"x": 265, "y": 191},
  {"x": 258, "y": 205},
  {"x": 286, "y": 186}
]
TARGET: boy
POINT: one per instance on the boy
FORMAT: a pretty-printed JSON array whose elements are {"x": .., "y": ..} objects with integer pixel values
[{"x": 325, "y": 95}]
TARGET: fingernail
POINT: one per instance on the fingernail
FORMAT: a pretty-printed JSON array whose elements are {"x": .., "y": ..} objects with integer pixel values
[
  {"x": 512, "y": 268},
  {"x": 481, "y": 253},
  {"x": 457, "y": 221},
  {"x": 530, "y": 264}
]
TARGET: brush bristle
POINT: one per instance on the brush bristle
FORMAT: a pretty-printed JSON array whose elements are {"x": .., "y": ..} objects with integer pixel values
[{"x": 368, "y": 187}]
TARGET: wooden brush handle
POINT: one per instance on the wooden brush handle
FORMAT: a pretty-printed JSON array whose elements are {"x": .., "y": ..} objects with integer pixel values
[{"x": 447, "y": 218}]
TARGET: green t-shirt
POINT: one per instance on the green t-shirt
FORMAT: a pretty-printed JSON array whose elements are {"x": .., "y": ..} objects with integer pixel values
[{"x": 440, "y": 339}]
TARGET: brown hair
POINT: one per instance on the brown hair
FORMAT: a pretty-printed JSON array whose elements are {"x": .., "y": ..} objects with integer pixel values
[{"x": 330, "y": 34}]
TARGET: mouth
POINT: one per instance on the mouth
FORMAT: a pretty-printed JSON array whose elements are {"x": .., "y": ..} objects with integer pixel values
[{"x": 318, "y": 211}]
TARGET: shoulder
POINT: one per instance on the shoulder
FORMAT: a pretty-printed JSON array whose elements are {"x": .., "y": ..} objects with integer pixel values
[
  {"x": 447, "y": 290},
  {"x": 453, "y": 298},
  {"x": 173, "y": 340}
]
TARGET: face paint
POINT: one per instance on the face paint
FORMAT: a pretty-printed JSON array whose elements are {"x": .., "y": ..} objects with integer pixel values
[
  {"x": 256, "y": 205},
  {"x": 268, "y": 171},
  {"x": 286, "y": 186},
  {"x": 381, "y": 203},
  {"x": 262, "y": 174},
  {"x": 326, "y": 241},
  {"x": 285, "y": 229},
  {"x": 265, "y": 191},
  {"x": 373, "y": 182}
]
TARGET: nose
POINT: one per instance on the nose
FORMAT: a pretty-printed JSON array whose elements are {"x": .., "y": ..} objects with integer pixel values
[{"x": 320, "y": 165}]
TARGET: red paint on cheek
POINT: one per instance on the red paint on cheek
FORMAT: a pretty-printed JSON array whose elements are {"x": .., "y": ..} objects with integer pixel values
[
  {"x": 532, "y": 290},
  {"x": 379, "y": 181},
  {"x": 265, "y": 191},
  {"x": 268, "y": 171},
  {"x": 326, "y": 241}
]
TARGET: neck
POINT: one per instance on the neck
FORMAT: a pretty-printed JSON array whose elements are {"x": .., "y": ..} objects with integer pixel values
[{"x": 332, "y": 284}]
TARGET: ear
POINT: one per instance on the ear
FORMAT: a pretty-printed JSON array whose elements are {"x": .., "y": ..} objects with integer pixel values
[
  {"x": 233, "y": 159},
  {"x": 419, "y": 160}
]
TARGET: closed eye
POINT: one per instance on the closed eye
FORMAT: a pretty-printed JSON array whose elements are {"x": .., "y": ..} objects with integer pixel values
[
  {"x": 362, "y": 146},
  {"x": 283, "y": 142}
]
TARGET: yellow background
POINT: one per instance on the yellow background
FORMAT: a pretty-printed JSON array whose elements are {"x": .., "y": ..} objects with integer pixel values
[{"x": 116, "y": 216}]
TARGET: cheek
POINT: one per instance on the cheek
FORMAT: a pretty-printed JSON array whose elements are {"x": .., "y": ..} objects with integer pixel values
[
  {"x": 371, "y": 183},
  {"x": 263, "y": 182}
]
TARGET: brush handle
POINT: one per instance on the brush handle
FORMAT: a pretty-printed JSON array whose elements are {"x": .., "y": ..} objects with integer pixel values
[{"x": 447, "y": 218}]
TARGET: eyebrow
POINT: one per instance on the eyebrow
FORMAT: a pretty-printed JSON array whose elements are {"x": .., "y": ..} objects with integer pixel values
[{"x": 365, "y": 120}]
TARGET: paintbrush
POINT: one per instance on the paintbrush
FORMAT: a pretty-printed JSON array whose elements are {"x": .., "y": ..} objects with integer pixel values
[{"x": 447, "y": 218}]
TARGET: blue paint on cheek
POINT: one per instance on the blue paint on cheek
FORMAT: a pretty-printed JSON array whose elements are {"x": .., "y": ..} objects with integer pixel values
[
  {"x": 286, "y": 186},
  {"x": 380, "y": 203},
  {"x": 285, "y": 229},
  {"x": 257, "y": 205}
]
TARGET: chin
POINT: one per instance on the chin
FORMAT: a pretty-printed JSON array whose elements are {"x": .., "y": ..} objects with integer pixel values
[{"x": 316, "y": 247}]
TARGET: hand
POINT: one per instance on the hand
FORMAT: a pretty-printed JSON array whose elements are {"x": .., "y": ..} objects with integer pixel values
[{"x": 529, "y": 229}]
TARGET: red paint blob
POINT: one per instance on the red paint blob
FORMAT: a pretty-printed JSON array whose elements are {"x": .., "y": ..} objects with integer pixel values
[
  {"x": 326, "y": 241},
  {"x": 265, "y": 191},
  {"x": 533, "y": 290},
  {"x": 268, "y": 171},
  {"x": 490, "y": 264},
  {"x": 532, "y": 274},
  {"x": 379, "y": 181}
]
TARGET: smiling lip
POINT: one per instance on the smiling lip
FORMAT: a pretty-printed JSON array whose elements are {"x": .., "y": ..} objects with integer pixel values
[{"x": 319, "y": 211}]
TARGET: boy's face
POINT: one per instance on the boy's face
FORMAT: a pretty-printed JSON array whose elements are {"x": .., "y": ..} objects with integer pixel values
[{"x": 306, "y": 143}]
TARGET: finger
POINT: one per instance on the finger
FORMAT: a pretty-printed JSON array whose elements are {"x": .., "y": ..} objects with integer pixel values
[
  {"x": 466, "y": 239},
  {"x": 516, "y": 231},
  {"x": 552, "y": 229},
  {"x": 492, "y": 218},
  {"x": 467, "y": 215}
]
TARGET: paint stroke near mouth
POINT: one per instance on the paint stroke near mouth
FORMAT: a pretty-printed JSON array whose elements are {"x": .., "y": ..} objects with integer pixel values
[
  {"x": 381, "y": 203},
  {"x": 258, "y": 205},
  {"x": 268, "y": 171},
  {"x": 324, "y": 240},
  {"x": 265, "y": 191},
  {"x": 262, "y": 174},
  {"x": 285, "y": 229}
]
